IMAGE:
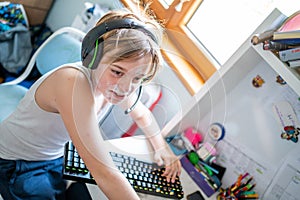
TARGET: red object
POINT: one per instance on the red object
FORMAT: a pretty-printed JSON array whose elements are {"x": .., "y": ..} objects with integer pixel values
[
  {"x": 132, "y": 129},
  {"x": 193, "y": 136}
]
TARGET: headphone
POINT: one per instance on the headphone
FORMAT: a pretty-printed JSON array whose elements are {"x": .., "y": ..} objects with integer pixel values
[{"x": 92, "y": 44}]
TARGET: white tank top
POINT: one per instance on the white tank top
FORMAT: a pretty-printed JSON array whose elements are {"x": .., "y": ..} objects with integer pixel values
[{"x": 25, "y": 135}]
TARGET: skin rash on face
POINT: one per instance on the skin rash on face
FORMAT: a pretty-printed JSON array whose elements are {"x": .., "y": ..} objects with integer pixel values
[{"x": 117, "y": 80}]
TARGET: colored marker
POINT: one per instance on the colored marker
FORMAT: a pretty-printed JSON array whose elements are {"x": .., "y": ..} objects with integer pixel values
[
  {"x": 238, "y": 183},
  {"x": 248, "y": 192},
  {"x": 252, "y": 187},
  {"x": 208, "y": 167},
  {"x": 243, "y": 189},
  {"x": 245, "y": 175},
  {"x": 249, "y": 180},
  {"x": 250, "y": 196}
]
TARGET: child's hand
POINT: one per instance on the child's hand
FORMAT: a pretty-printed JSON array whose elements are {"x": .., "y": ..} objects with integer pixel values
[{"x": 172, "y": 164}]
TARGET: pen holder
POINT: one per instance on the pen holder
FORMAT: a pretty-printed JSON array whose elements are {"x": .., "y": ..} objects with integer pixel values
[
  {"x": 228, "y": 195},
  {"x": 208, "y": 184},
  {"x": 241, "y": 189}
]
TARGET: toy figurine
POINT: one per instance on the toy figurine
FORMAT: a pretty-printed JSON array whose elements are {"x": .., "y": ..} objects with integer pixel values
[
  {"x": 257, "y": 81},
  {"x": 291, "y": 133}
]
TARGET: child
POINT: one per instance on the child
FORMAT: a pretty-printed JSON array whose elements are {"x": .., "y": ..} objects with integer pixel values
[{"x": 118, "y": 56}]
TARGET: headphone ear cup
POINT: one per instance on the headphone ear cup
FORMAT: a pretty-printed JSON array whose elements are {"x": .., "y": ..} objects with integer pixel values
[
  {"x": 94, "y": 56},
  {"x": 87, "y": 60}
]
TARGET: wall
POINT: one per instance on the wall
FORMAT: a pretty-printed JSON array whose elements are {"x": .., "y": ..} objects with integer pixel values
[{"x": 63, "y": 12}]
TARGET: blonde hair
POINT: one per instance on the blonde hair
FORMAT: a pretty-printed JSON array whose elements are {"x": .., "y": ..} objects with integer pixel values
[{"x": 134, "y": 43}]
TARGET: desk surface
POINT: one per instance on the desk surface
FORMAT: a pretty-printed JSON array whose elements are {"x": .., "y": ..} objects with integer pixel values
[{"x": 139, "y": 147}]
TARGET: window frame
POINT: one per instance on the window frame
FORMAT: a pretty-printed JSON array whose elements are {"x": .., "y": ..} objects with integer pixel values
[{"x": 192, "y": 64}]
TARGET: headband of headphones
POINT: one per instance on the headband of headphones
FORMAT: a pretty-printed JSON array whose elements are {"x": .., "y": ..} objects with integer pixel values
[{"x": 92, "y": 44}]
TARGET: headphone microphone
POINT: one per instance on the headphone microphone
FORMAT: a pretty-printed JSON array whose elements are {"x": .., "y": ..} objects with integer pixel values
[
  {"x": 136, "y": 101},
  {"x": 126, "y": 112}
]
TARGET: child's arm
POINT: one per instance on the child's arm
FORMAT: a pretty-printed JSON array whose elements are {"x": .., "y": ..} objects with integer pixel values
[
  {"x": 73, "y": 100},
  {"x": 147, "y": 122}
]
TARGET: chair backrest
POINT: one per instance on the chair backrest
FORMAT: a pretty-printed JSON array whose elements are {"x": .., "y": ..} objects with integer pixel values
[
  {"x": 63, "y": 46},
  {"x": 61, "y": 49},
  {"x": 10, "y": 96}
]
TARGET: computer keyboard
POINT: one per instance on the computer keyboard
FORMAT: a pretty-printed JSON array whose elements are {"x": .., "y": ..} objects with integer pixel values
[{"x": 143, "y": 176}]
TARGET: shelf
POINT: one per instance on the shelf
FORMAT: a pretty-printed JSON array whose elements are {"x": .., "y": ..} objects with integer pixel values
[{"x": 290, "y": 75}]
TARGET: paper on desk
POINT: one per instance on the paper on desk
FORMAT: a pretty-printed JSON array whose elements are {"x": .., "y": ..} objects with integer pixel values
[
  {"x": 286, "y": 183},
  {"x": 238, "y": 160}
]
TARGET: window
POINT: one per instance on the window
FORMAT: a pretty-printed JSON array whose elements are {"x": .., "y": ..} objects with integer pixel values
[
  {"x": 216, "y": 26},
  {"x": 202, "y": 35}
]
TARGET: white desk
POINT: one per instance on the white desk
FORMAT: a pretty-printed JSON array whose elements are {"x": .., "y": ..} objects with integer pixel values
[{"x": 139, "y": 148}]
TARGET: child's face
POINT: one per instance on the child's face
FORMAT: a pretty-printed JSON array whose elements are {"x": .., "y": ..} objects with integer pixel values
[{"x": 119, "y": 79}]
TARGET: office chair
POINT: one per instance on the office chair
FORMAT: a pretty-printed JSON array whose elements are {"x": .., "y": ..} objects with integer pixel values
[{"x": 63, "y": 46}]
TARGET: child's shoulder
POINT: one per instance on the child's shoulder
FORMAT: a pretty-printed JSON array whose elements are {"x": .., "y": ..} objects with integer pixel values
[{"x": 71, "y": 71}]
